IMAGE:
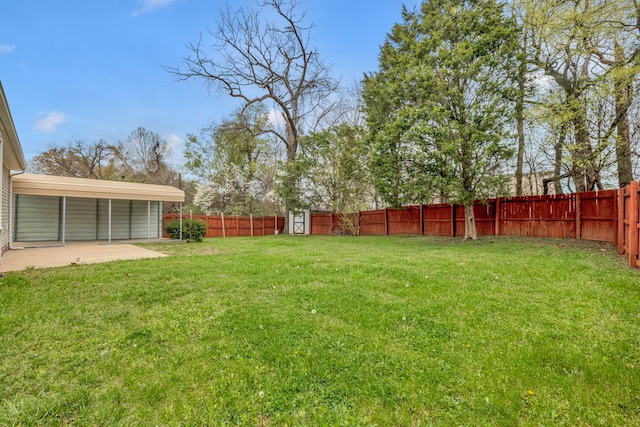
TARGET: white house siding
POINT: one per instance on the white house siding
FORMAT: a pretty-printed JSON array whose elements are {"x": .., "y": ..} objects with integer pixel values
[{"x": 5, "y": 234}]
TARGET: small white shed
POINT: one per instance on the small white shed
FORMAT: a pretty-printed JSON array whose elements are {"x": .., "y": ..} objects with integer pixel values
[
  {"x": 299, "y": 222},
  {"x": 53, "y": 208}
]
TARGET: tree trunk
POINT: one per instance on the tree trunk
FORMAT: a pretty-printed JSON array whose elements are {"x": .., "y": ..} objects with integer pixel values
[
  {"x": 521, "y": 145},
  {"x": 622, "y": 87},
  {"x": 557, "y": 170},
  {"x": 522, "y": 76},
  {"x": 290, "y": 185},
  {"x": 585, "y": 176},
  {"x": 470, "y": 231}
]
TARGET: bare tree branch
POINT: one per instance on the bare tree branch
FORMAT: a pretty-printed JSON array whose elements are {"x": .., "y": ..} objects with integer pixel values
[{"x": 258, "y": 61}]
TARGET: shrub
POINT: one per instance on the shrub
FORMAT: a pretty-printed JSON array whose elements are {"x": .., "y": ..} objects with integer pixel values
[{"x": 192, "y": 229}]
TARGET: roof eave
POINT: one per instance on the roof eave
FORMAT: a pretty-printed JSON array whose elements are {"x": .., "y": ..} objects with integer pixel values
[{"x": 11, "y": 150}]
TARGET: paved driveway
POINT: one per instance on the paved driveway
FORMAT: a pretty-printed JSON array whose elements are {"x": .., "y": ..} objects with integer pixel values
[{"x": 72, "y": 252}]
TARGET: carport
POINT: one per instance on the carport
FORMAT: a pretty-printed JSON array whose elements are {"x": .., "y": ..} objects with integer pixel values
[{"x": 59, "y": 209}]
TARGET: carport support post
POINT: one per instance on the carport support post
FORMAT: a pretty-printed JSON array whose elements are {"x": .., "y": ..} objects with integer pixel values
[
  {"x": 148, "y": 218},
  {"x": 64, "y": 218},
  {"x": 109, "y": 221},
  {"x": 180, "y": 221}
]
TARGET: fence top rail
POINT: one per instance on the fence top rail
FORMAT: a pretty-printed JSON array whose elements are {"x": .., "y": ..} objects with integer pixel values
[{"x": 520, "y": 199}]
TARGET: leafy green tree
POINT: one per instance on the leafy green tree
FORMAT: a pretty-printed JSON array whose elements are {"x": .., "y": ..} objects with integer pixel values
[
  {"x": 333, "y": 172},
  {"x": 235, "y": 163},
  {"x": 444, "y": 90},
  {"x": 590, "y": 52}
]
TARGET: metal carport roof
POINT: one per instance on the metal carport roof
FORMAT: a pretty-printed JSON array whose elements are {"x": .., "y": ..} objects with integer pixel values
[{"x": 47, "y": 185}]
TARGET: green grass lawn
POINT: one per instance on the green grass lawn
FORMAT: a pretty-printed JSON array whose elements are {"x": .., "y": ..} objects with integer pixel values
[{"x": 332, "y": 331}]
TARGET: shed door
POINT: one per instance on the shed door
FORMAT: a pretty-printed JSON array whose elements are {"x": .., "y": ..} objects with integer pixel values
[{"x": 36, "y": 218}]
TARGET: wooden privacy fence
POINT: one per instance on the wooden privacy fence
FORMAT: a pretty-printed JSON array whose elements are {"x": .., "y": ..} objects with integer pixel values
[
  {"x": 233, "y": 226},
  {"x": 591, "y": 216},
  {"x": 608, "y": 216},
  {"x": 628, "y": 226}
]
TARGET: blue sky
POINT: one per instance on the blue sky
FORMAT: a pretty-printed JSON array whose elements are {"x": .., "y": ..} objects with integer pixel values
[{"x": 92, "y": 69}]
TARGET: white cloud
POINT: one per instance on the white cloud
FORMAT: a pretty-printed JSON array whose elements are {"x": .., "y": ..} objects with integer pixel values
[
  {"x": 174, "y": 141},
  {"x": 48, "y": 122},
  {"x": 275, "y": 118},
  {"x": 7, "y": 48},
  {"x": 176, "y": 144},
  {"x": 148, "y": 6}
]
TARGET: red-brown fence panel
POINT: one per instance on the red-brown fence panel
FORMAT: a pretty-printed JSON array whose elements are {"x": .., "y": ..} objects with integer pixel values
[
  {"x": 437, "y": 220},
  {"x": 404, "y": 221},
  {"x": 484, "y": 214},
  {"x": 630, "y": 239},
  {"x": 538, "y": 216},
  {"x": 321, "y": 223},
  {"x": 339, "y": 225},
  {"x": 485, "y": 217},
  {"x": 373, "y": 223},
  {"x": 458, "y": 220},
  {"x": 598, "y": 215},
  {"x": 214, "y": 226},
  {"x": 234, "y": 226},
  {"x": 635, "y": 226}
]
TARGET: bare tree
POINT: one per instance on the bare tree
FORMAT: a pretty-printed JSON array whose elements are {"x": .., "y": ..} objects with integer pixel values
[
  {"x": 257, "y": 60},
  {"x": 79, "y": 159},
  {"x": 145, "y": 158}
]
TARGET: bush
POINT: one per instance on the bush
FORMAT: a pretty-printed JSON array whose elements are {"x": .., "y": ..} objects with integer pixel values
[{"x": 192, "y": 229}]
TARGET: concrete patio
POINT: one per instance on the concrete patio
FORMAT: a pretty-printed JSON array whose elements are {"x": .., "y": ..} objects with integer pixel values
[{"x": 72, "y": 253}]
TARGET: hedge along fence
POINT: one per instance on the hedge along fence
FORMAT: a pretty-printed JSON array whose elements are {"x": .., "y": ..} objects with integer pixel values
[{"x": 233, "y": 226}]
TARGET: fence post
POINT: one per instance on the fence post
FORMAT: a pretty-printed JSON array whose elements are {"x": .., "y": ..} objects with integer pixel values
[
  {"x": 633, "y": 223},
  {"x": 453, "y": 220},
  {"x": 620, "y": 230},
  {"x": 578, "y": 216},
  {"x": 615, "y": 219},
  {"x": 224, "y": 233},
  {"x": 331, "y": 223},
  {"x": 251, "y": 223},
  {"x": 496, "y": 228},
  {"x": 386, "y": 222}
]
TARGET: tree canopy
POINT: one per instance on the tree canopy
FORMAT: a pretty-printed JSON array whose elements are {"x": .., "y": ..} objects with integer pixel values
[
  {"x": 444, "y": 96},
  {"x": 235, "y": 163}
]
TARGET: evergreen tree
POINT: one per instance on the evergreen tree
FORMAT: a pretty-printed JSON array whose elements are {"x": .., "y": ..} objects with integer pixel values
[{"x": 444, "y": 95}]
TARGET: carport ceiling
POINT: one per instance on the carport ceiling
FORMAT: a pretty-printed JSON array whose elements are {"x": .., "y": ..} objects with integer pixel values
[{"x": 47, "y": 185}]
